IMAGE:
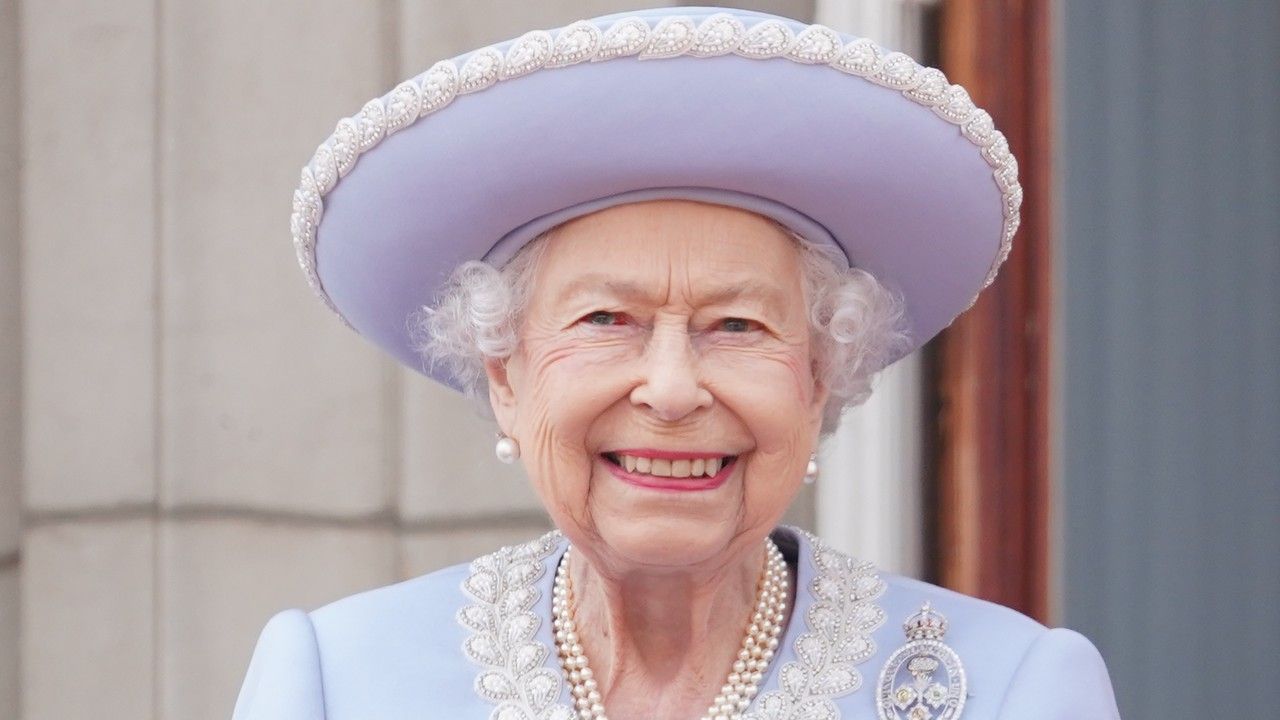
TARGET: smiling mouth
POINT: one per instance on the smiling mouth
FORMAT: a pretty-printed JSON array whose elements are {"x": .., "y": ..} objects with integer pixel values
[{"x": 664, "y": 468}]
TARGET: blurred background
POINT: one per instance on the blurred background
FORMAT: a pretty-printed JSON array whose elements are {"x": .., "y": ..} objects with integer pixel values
[{"x": 189, "y": 442}]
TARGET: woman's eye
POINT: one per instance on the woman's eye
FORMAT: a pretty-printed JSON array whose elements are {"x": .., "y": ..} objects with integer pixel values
[
  {"x": 737, "y": 325},
  {"x": 604, "y": 317}
]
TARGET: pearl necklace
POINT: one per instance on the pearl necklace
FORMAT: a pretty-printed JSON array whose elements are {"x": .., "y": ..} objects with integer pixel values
[{"x": 743, "y": 682}]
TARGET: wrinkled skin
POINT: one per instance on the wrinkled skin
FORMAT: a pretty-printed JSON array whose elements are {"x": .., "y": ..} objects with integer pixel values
[{"x": 674, "y": 325}]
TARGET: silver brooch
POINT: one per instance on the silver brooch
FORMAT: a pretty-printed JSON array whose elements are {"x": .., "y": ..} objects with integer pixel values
[{"x": 924, "y": 679}]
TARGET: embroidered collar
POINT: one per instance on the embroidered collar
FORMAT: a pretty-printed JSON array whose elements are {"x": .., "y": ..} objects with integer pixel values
[{"x": 520, "y": 676}]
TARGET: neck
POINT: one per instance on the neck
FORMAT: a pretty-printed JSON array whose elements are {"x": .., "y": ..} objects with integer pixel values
[{"x": 664, "y": 637}]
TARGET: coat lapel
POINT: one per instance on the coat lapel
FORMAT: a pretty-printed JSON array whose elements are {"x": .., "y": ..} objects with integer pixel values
[{"x": 508, "y": 614}]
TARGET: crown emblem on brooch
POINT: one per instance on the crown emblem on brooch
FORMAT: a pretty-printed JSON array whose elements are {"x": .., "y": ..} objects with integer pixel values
[{"x": 924, "y": 679}]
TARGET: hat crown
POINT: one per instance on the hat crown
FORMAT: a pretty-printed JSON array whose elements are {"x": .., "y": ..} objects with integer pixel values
[{"x": 886, "y": 156}]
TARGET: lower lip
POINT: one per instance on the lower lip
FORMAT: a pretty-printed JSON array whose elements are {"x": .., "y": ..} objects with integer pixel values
[{"x": 654, "y": 482}]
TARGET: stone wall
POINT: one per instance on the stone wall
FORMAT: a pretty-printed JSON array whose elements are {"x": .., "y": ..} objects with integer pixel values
[{"x": 10, "y": 360}]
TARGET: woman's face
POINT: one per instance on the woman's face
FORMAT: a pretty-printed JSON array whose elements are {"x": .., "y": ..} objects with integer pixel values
[{"x": 661, "y": 340}]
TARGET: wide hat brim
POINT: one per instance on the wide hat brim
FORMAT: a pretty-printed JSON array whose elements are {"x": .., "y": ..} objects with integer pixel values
[{"x": 838, "y": 139}]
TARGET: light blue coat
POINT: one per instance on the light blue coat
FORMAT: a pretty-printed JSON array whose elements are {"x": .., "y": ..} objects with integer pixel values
[{"x": 474, "y": 641}]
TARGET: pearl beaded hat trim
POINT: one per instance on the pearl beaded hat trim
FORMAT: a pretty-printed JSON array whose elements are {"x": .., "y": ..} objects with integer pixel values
[{"x": 839, "y": 139}]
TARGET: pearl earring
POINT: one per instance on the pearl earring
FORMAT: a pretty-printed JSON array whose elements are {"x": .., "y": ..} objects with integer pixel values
[
  {"x": 507, "y": 449},
  {"x": 811, "y": 470}
]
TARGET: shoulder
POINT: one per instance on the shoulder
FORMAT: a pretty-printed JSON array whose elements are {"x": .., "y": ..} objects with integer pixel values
[
  {"x": 996, "y": 636},
  {"x": 970, "y": 620},
  {"x": 961, "y": 610},
  {"x": 1015, "y": 666},
  {"x": 283, "y": 679},
  {"x": 419, "y": 608},
  {"x": 1062, "y": 676},
  {"x": 395, "y": 650},
  {"x": 374, "y": 614},
  {"x": 391, "y": 651}
]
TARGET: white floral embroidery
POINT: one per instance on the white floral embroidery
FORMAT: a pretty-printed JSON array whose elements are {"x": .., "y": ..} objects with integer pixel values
[
  {"x": 513, "y": 664},
  {"x": 513, "y": 674},
  {"x": 670, "y": 36},
  {"x": 837, "y": 638}
]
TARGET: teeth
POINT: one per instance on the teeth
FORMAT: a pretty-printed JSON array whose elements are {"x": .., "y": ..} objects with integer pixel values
[{"x": 701, "y": 467}]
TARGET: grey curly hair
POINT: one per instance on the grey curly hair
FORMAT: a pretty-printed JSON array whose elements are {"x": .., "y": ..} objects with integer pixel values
[{"x": 857, "y": 325}]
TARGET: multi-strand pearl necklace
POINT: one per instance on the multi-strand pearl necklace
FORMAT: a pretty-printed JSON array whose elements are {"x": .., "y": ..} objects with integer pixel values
[{"x": 758, "y": 645}]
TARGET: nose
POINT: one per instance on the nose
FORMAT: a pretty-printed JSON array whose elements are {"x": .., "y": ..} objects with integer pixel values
[{"x": 671, "y": 387}]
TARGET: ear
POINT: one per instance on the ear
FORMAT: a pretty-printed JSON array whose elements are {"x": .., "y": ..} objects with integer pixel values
[{"x": 502, "y": 395}]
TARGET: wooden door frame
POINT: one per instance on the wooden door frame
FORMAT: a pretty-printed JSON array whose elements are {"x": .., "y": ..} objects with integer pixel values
[{"x": 991, "y": 368}]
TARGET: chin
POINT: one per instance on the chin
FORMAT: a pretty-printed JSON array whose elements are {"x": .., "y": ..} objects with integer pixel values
[{"x": 666, "y": 542}]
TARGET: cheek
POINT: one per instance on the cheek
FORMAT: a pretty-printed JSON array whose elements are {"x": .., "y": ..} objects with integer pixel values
[
  {"x": 770, "y": 393},
  {"x": 771, "y": 390},
  {"x": 573, "y": 383},
  {"x": 569, "y": 386}
]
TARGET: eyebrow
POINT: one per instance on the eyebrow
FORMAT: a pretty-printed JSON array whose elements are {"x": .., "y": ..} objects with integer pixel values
[{"x": 770, "y": 296}]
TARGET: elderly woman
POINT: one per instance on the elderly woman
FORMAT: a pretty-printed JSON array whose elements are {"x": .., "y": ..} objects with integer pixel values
[{"x": 669, "y": 248}]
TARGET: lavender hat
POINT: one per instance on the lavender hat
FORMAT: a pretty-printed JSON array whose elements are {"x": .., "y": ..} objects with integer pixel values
[{"x": 835, "y": 137}]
